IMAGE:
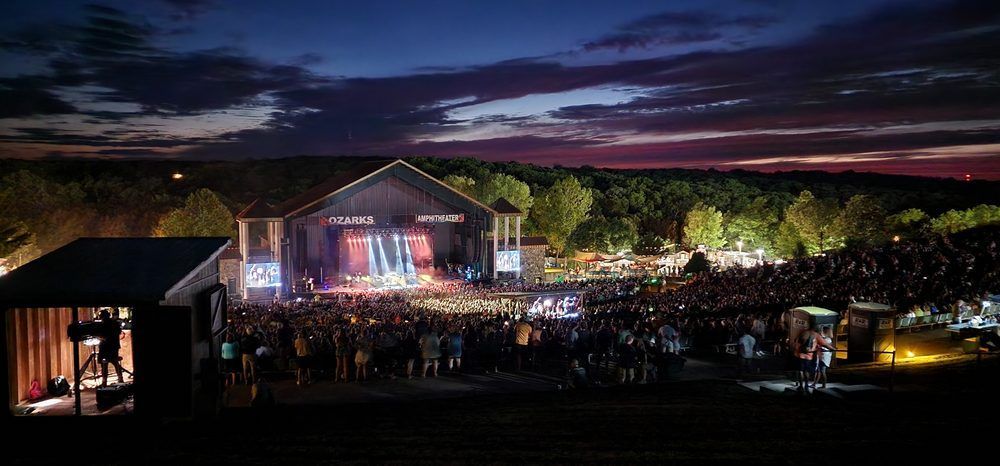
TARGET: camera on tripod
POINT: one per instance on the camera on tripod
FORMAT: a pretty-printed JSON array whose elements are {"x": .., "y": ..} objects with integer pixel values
[{"x": 85, "y": 331}]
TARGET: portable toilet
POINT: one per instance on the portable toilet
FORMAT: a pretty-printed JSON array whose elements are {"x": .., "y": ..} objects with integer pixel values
[
  {"x": 811, "y": 317},
  {"x": 870, "y": 327}
]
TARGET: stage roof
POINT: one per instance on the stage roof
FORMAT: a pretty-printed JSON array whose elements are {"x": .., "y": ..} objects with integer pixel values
[
  {"x": 333, "y": 184},
  {"x": 109, "y": 271},
  {"x": 259, "y": 210}
]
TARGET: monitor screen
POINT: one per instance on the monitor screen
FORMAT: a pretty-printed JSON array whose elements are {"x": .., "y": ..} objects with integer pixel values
[
  {"x": 508, "y": 261},
  {"x": 263, "y": 275}
]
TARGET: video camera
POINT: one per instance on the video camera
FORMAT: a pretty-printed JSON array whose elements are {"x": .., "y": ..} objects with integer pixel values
[{"x": 85, "y": 330}]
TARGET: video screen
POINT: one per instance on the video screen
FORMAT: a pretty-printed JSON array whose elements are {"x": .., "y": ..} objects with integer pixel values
[
  {"x": 508, "y": 261},
  {"x": 263, "y": 275}
]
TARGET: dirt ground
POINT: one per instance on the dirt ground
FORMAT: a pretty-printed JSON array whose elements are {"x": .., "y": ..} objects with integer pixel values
[{"x": 947, "y": 407}]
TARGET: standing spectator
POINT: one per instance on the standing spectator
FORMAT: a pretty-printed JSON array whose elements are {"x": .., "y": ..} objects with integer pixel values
[
  {"x": 230, "y": 359},
  {"x": 537, "y": 341},
  {"x": 342, "y": 350},
  {"x": 490, "y": 348},
  {"x": 577, "y": 376},
  {"x": 455, "y": 347},
  {"x": 410, "y": 352},
  {"x": 804, "y": 350},
  {"x": 627, "y": 360},
  {"x": 303, "y": 358},
  {"x": 757, "y": 331},
  {"x": 745, "y": 347},
  {"x": 248, "y": 350},
  {"x": 603, "y": 341},
  {"x": 522, "y": 334},
  {"x": 825, "y": 356},
  {"x": 669, "y": 338},
  {"x": 570, "y": 340},
  {"x": 387, "y": 353},
  {"x": 362, "y": 358},
  {"x": 430, "y": 351}
]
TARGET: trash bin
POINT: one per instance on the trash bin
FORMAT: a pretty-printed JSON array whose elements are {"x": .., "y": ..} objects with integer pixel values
[{"x": 870, "y": 327}]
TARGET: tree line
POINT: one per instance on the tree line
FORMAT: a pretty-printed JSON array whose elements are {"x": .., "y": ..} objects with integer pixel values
[{"x": 44, "y": 204}]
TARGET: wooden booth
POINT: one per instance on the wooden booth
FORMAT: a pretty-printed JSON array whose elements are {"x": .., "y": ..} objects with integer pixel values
[{"x": 163, "y": 293}]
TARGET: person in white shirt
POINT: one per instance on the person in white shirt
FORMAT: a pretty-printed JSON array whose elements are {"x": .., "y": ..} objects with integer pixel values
[
  {"x": 745, "y": 349},
  {"x": 825, "y": 357},
  {"x": 669, "y": 339}
]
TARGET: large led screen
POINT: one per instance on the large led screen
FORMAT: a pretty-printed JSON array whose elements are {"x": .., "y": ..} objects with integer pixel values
[
  {"x": 508, "y": 261},
  {"x": 263, "y": 275}
]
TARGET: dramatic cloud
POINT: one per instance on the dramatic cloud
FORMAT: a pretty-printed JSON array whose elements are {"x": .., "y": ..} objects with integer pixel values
[
  {"x": 896, "y": 89},
  {"x": 188, "y": 9},
  {"x": 673, "y": 28}
]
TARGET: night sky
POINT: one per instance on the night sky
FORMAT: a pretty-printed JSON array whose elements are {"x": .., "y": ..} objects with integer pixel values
[{"x": 896, "y": 87}]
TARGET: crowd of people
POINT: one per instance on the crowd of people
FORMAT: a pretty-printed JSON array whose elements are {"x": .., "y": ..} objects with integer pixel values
[{"x": 413, "y": 333}]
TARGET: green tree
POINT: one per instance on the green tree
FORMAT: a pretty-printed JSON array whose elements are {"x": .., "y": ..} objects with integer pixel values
[
  {"x": 983, "y": 214},
  {"x": 673, "y": 201},
  {"x": 697, "y": 264},
  {"x": 54, "y": 213},
  {"x": 601, "y": 234},
  {"x": 703, "y": 225},
  {"x": 862, "y": 221},
  {"x": 789, "y": 243},
  {"x": 814, "y": 219},
  {"x": 13, "y": 236},
  {"x": 649, "y": 244},
  {"x": 203, "y": 214},
  {"x": 502, "y": 185},
  {"x": 755, "y": 226},
  {"x": 952, "y": 221},
  {"x": 560, "y": 209},
  {"x": 907, "y": 224},
  {"x": 464, "y": 184}
]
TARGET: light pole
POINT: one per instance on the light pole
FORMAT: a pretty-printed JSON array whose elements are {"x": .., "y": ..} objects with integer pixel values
[
  {"x": 760, "y": 255},
  {"x": 739, "y": 245}
]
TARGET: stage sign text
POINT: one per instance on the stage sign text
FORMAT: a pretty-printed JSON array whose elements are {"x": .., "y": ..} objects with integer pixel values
[
  {"x": 452, "y": 218},
  {"x": 348, "y": 220}
]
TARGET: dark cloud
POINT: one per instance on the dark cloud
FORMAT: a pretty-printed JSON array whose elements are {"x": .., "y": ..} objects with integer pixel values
[
  {"x": 898, "y": 79},
  {"x": 121, "y": 138},
  {"x": 115, "y": 52},
  {"x": 188, "y": 9},
  {"x": 674, "y": 28},
  {"x": 27, "y": 96}
]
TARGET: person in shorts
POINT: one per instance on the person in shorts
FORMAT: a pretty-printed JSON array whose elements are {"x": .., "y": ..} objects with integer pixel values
[
  {"x": 824, "y": 358},
  {"x": 303, "y": 358},
  {"x": 230, "y": 359}
]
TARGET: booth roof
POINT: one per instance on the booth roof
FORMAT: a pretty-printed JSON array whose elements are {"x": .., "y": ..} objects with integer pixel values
[
  {"x": 816, "y": 311},
  {"x": 109, "y": 271}
]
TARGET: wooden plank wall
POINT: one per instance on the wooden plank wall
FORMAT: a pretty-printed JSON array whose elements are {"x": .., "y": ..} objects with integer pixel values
[{"x": 38, "y": 348}]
